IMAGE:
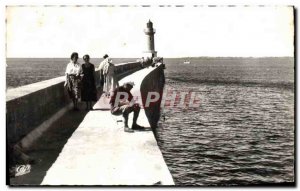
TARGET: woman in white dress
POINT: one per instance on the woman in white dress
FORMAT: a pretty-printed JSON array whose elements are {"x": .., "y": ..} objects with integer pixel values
[
  {"x": 111, "y": 80},
  {"x": 101, "y": 67}
]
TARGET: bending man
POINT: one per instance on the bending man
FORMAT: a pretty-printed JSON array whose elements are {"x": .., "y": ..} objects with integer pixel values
[{"x": 122, "y": 103}]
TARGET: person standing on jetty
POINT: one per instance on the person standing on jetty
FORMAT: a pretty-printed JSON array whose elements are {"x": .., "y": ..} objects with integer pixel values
[
  {"x": 122, "y": 104},
  {"x": 111, "y": 81},
  {"x": 73, "y": 78},
  {"x": 101, "y": 67},
  {"x": 88, "y": 89}
]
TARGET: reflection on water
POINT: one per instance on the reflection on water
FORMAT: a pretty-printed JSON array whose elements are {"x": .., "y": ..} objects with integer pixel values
[{"x": 242, "y": 133}]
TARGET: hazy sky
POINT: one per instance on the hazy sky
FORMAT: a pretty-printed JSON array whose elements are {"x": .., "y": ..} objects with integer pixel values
[{"x": 55, "y": 31}]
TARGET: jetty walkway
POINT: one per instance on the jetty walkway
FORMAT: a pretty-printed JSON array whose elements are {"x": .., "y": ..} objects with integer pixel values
[{"x": 99, "y": 152}]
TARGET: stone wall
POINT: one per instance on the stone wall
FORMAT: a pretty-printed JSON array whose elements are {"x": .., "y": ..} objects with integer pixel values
[
  {"x": 28, "y": 106},
  {"x": 153, "y": 82},
  {"x": 124, "y": 69}
]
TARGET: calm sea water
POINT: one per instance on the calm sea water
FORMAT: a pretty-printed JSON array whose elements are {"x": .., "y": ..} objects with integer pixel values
[{"x": 243, "y": 131}]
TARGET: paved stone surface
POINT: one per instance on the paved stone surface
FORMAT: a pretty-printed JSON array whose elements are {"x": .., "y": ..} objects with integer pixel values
[
  {"x": 99, "y": 152},
  {"x": 46, "y": 149}
]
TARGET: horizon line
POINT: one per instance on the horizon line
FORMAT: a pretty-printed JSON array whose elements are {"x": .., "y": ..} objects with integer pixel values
[{"x": 173, "y": 57}]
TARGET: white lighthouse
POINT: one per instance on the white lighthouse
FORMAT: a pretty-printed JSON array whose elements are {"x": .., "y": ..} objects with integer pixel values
[{"x": 149, "y": 31}]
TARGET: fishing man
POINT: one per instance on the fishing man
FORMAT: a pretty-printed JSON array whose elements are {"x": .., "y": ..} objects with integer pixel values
[{"x": 122, "y": 103}]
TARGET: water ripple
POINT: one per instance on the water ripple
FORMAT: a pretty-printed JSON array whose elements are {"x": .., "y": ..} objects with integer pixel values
[{"x": 242, "y": 134}]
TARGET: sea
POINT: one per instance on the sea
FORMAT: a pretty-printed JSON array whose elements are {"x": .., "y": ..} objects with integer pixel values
[{"x": 241, "y": 134}]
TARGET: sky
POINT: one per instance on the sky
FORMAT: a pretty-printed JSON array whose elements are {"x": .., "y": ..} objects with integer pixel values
[{"x": 57, "y": 31}]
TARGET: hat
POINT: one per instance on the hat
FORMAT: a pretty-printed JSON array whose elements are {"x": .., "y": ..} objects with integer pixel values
[
  {"x": 129, "y": 83},
  {"x": 105, "y": 56}
]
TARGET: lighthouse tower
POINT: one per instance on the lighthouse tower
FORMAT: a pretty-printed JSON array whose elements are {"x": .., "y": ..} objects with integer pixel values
[{"x": 149, "y": 31}]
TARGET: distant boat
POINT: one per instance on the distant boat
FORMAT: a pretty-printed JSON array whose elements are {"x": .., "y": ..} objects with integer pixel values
[{"x": 186, "y": 62}]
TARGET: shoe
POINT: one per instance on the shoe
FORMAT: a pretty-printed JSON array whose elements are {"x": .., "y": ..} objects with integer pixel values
[
  {"x": 128, "y": 130},
  {"x": 137, "y": 127}
]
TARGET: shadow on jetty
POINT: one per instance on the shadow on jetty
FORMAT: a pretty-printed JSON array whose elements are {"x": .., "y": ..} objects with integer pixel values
[{"x": 47, "y": 148}]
